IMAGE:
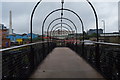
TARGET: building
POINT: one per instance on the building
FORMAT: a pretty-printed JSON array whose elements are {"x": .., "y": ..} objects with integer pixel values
[
  {"x": 75, "y": 35},
  {"x": 59, "y": 34},
  {"x": 4, "y": 42},
  {"x": 110, "y": 37},
  {"x": 19, "y": 38},
  {"x": 28, "y": 36},
  {"x": 13, "y": 38},
  {"x": 3, "y": 31},
  {"x": 92, "y": 31}
]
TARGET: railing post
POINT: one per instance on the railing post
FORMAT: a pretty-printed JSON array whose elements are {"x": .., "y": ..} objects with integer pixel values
[
  {"x": 83, "y": 49},
  {"x": 97, "y": 56},
  {"x": 1, "y": 65},
  {"x": 31, "y": 58},
  {"x": 43, "y": 50}
]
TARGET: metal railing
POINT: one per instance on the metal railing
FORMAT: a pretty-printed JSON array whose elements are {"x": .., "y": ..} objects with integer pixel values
[
  {"x": 20, "y": 61},
  {"x": 104, "y": 57}
]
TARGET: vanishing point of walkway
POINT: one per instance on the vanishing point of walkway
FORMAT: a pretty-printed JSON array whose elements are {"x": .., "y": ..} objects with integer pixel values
[{"x": 65, "y": 63}]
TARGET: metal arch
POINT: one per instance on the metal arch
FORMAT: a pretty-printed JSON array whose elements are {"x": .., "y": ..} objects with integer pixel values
[
  {"x": 61, "y": 23},
  {"x": 96, "y": 18},
  {"x": 97, "y": 58},
  {"x": 35, "y": 7},
  {"x": 59, "y": 27},
  {"x": 60, "y": 19},
  {"x": 31, "y": 19},
  {"x": 58, "y": 24},
  {"x": 63, "y": 29},
  {"x": 59, "y": 10}
]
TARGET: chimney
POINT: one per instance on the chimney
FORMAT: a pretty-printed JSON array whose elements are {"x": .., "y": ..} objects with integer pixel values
[{"x": 10, "y": 28}]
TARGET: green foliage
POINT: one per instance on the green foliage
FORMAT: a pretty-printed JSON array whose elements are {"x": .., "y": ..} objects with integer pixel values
[
  {"x": 90, "y": 36},
  {"x": 81, "y": 38},
  {"x": 93, "y": 35}
]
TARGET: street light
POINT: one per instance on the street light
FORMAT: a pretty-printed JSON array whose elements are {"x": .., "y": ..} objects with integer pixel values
[{"x": 104, "y": 28}]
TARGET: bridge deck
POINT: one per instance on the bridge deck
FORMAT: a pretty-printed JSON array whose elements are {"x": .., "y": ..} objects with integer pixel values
[{"x": 64, "y": 63}]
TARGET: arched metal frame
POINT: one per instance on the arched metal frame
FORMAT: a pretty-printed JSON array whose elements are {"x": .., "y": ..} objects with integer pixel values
[
  {"x": 31, "y": 26},
  {"x": 31, "y": 19},
  {"x": 61, "y": 23},
  {"x": 60, "y": 27},
  {"x": 97, "y": 47},
  {"x": 63, "y": 29},
  {"x": 64, "y": 39},
  {"x": 60, "y": 19},
  {"x": 35, "y": 7},
  {"x": 63, "y": 10},
  {"x": 64, "y": 24},
  {"x": 96, "y": 18}
]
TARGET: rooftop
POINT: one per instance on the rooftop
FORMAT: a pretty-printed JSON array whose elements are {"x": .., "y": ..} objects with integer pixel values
[{"x": 2, "y": 27}]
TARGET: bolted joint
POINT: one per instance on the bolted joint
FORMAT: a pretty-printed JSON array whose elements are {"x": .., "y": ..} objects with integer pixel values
[
  {"x": 61, "y": 14},
  {"x": 87, "y": 0},
  {"x": 62, "y": 1}
]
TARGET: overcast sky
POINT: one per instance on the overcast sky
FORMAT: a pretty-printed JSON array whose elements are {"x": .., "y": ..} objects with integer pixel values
[{"x": 21, "y": 11}]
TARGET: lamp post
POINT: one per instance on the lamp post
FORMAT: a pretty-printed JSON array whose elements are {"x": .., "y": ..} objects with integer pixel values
[{"x": 104, "y": 28}]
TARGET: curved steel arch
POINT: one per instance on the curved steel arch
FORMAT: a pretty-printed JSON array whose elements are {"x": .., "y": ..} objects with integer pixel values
[
  {"x": 31, "y": 19},
  {"x": 60, "y": 27},
  {"x": 61, "y": 23},
  {"x": 35, "y": 7},
  {"x": 63, "y": 29},
  {"x": 96, "y": 18},
  {"x": 60, "y": 19},
  {"x": 60, "y": 10},
  {"x": 58, "y": 24}
]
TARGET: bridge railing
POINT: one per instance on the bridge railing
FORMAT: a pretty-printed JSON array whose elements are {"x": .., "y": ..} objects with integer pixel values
[
  {"x": 104, "y": 57},
  {"x": 20, "y": 61}
]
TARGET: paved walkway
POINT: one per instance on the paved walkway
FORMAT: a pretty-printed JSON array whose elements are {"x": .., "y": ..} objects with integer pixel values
[{"x": 65, "y": 63}]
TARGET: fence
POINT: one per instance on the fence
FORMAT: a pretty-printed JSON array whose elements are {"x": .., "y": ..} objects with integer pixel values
[
  {"x": 19, "y": 62},
  {"x": 104, "y": 57}
]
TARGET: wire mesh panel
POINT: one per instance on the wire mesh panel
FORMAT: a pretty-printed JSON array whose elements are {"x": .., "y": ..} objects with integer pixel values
[
  {"x": 20, "y": 62},
  {"x": 104, "y": 57}
]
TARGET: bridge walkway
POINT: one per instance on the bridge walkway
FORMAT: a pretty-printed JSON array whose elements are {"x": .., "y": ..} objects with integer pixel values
[{"x": 62, "y": 62}]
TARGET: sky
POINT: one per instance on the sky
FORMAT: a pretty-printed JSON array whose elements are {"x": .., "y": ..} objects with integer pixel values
[{"x": 21, "y": 11}]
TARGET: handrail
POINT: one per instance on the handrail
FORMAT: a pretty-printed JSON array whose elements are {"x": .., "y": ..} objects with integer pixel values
[
  {"x": 111, "y": 44},
  {"x": 15, "y": 47},
  {"x": 104, "y": 43}
]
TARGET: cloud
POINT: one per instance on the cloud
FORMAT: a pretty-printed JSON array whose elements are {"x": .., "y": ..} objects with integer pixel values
[
  {"x": 22, "y": 10},
  {"x": 59, "y": 0}
]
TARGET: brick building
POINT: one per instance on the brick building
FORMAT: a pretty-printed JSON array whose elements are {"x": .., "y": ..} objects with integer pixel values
[{"x": 4, "y": 42}]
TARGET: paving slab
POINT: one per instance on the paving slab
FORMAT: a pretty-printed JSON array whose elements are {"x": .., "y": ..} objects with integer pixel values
[{"x": 62, "y": 62}]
